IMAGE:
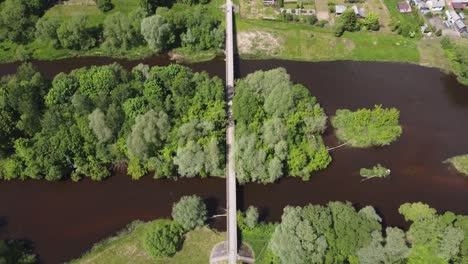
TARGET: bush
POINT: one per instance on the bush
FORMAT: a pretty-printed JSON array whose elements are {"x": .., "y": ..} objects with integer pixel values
[
  {"x": 190, "y": 212},
  {"x": 311, "y": 20},
  {"x": 376, "y": 171},
  {"x": 438, "y": 33},
  {"x": 331, "y": 7},
  {"x": 460, "y": 163},
  {"x": 322, "y": 23},
  {"x": 366, "y": 127},
  {"x": 105, "y": 5},
  {"x": 163, "y": 239}
]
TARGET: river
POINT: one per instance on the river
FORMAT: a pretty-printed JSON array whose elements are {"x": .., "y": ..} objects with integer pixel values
[{"x": 64, "y": 219}]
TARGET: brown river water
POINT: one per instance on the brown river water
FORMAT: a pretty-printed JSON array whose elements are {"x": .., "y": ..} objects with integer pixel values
[{"x": 64, "y": 219}]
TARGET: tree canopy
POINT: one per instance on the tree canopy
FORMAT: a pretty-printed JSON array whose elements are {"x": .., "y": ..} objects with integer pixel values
[
  {"x": 163, "y": 239},
  {"x": 367, "y": 127},
  {"x": 153, "y": 119},
  {"x": 338, "y": 233},
  {"x": 278, "y": 127},
  {"x": 190, "y": 212}
]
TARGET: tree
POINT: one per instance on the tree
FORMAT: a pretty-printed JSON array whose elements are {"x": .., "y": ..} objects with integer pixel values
[
  {"x": 296, "y": 241},
  {"x": 73, "y": 34},
  {"x": 17, "y": 20},
  {"x": 148, "y": 133},
  {"x": 46, "y": 29},
  {"x": 251, "y": 217},
  {"x": 278, "y": 126},
  {"x": 16, "y": 252},
  {"x": 346, "y": 22},
  {"x": 149, "y": 6},
  {"x": 190, "y": 159},
  {"x": 190, "y": 212},
  {"x": 117, "y": 32},
  {"x": 371, "y": 21},
  {"x": 105, "y": 5},
  {"x": 97, "y": 123},
  {"x": 157, "y": 32},
  {"x": 163, "y": 239},
  {"x": 392, "y": 249}
]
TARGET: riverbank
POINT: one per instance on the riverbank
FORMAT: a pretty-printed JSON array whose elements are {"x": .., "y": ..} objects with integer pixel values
[
  {"x": 339, "y": 232},
  {"x": 127, "y": 247},
  {"x": 256, "y": 39}
]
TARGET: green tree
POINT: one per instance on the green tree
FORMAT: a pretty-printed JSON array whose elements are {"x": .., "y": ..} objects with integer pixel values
[
  {"x": 163, "y": 239},
  {"x": 278, "y": 126},
  {"x": 371, "y": 21},
  {"x": 97, "y": 123},
  {"x": 157, "y": 33},
  {"x": 392, "y": 249},
  {"x": 148, "y": 133},
  {"x": 149, "y": 6},
  {"x": 73, "y": 34},
  {"x": 190, "y": 212},
  {"x": 296, "y": 241},
  {"x": 46, "y": 29},
  {"x": 16, "y": 252},
  {"x": 117, "y": 32},
  {"x": 17, "y": 20},
  {"x": 251, "y": 217},
  {"x": 346, "y": 22}
]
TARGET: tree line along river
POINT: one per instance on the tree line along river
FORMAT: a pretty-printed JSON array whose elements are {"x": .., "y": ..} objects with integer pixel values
[{"x": 64, "y": 219}]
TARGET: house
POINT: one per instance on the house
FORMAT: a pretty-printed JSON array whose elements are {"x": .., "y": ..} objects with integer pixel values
[
  {"x": 460, "y": 26},
  {"x": 422, "y": 6},
  {"x": 358, "y": 12},
  {"x": 453, "y": 19},
  {"x": 404, "y": 7},
  {"x": 339, "y": 9},
  {"x": 436, "y": 5},
  {"x": 452, "y": 16},
  {"x": 459, "y": 4}
]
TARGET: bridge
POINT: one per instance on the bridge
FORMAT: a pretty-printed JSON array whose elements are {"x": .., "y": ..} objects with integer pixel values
[{"x": 228, "y": 250}]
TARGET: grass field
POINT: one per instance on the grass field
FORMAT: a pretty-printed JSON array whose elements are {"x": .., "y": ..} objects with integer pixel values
[
  {"x": 432, "y": 55},
  {"x": 128, "y": 248},
  {"x": 303, "y": 42},
  {"x": 95, "y": 16}
]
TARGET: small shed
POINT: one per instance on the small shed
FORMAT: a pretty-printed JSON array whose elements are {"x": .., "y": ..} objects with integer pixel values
[
  {"x": 404, "y": 7},
  {"x": 340, "y": 9},
  {"x": 358, "y": 12}
]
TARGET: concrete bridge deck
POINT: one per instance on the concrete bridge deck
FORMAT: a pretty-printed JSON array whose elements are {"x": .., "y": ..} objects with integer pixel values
[{"x": 228, "y": 250}]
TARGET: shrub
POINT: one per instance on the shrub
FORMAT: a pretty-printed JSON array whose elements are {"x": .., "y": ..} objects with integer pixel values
[
  {"x": 438, "y": 33},
  {"x": 460, "y": 163},
  {"x": 190, "y": 212},
  {"x": 322, "y": 23},
  {"x": 367, "y": 127},
  {"x": 105, "y": 5},
  {"x": 378, "y": 171},
  {"x": 163, "y": 239}
]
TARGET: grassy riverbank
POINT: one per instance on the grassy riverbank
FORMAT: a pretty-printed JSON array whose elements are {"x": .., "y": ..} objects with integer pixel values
[
  {"x": 127, "y": 247},
  {"x": 257, "y": 39},
  {"x": 304, "y": 42}
]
